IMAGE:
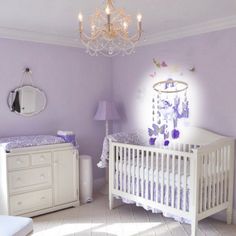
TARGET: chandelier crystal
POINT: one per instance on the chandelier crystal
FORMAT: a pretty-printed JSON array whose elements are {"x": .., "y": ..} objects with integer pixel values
[{"x": 109, "y": 34}]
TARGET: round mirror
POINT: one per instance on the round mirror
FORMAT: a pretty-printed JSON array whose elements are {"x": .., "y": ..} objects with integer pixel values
[{"x": 27, "y": 100}]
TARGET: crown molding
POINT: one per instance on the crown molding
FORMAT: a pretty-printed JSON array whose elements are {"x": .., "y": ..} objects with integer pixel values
[
  {"x": 40, "y": 37},
  {"x": 73, "y": 41},
  {"x": 193, "y": 30}
]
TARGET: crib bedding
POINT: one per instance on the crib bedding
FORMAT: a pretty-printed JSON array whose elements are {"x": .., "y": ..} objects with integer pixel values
[
  {"x": 157, "y": 197},
  {"x": 136, "y": 138},
  {"x": 29, "y": 141},
  {"x": 157, "y": 180}
]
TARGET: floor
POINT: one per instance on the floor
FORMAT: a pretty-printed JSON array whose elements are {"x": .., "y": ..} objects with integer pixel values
[{"x": 128, "y": 220}]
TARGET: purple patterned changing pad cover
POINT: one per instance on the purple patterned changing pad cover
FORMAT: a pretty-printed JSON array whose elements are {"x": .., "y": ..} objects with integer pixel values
[{"x": 29, "y": 141}]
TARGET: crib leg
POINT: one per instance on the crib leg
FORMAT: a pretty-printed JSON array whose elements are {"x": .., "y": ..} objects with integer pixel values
[
  {"x": 194, "y": 226},
  {"x": 229, "y": 213},
  {"x": 111, "y": 202}
]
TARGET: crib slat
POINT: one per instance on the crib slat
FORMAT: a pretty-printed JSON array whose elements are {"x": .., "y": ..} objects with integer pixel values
[
  {"x": 129, "y": 169},
  {"x": 214, "y": 179},
  {"x": 162, "y": 178},
  {"x": 125, "y": 170},
  {"x": 138, "y": 172},
  {"x": 221, "y": 174},
  {"x": 217, "y": 178},
  {"x": 228, "y": 173},
  {"x": 168, "y": 178},
  {"x": 201, "y": 185},
  {"x": 209, "y": 180},
  {"x": 117, "y": 167},
  {"x": 225, "y": 174},
  {"x": 179, "y": 182},
  {"x": 157, "y": 174},
  {"x": 205, "y": 183},
  {"x": 152, "y": 176},
  {"x": 173, "y": 183},
  {"x": 185, "y": 183},
  {"x": 146, "y": 176},
  {"x": 134, "y": 154},
  {"x": 143, "y": 174}
]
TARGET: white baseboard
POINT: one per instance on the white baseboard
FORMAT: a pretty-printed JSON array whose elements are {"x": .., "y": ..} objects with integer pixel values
[
  {"x": 98, "y": 184},
  {"x": 222, "y": 216}
]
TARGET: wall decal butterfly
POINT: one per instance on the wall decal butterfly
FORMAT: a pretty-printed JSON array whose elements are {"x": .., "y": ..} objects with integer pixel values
[
  {"x": 163, "y": 64},
  {"x": 192, "y": 69},
  {"x": 159, "y": 64},
  {"x": 153, "y": 75},
  {"x": 156, "y": 63}
]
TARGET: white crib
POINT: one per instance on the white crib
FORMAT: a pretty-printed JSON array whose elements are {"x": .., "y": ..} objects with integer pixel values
[{"x": 191, "y": 179}]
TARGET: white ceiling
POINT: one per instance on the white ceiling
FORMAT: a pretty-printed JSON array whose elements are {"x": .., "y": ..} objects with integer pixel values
[{"x": 55, "y": 21}]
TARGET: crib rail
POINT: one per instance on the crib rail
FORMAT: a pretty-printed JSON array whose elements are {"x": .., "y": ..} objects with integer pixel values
[
  {"x": 191, "y": 183},
  {"x": 215, "y": 177},
  {"x": 156, "y": 177}
]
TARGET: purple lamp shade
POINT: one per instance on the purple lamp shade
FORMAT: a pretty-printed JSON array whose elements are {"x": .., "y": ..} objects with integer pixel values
[{"x": 106, "y": 111}]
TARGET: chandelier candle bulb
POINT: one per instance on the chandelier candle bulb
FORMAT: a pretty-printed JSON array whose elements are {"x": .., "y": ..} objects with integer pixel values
[
  {"x": 125, "y": 25},
  {"x": 80, "y": 17},
  {"x": 139, "y": 18},
  {"x": 108, "y": 12}
]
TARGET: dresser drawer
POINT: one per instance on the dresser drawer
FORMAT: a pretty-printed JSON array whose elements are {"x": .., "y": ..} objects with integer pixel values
[
  {"x": 29, "y": 179},
  {"x": 29, "y": 202},
  {"x": 41, "y": 158},
  {"x": 18, "y": 162}
]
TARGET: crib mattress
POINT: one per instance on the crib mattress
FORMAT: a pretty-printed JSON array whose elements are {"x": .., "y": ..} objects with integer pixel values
[{"x": 157, "y": 176}]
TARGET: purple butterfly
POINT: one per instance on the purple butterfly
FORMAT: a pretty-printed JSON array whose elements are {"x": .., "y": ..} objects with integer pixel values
[
  {"x": 152, "y": 141},
  {"x": 153, "y": 75},
  {"x": 156, "y": 130}
]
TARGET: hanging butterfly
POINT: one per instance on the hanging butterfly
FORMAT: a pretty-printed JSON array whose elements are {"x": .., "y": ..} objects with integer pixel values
[
  {"x": 152, "y": 141},
  {"x": 153, "y": 75},
  {"x": 157, "y": 130}
]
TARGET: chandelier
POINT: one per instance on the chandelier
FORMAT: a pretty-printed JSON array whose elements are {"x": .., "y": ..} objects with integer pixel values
[{"x": 109, "y": 34}]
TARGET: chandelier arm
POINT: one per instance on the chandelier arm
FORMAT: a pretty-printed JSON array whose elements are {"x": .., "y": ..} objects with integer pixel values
[
  {"x": 135, "y": 38},
  {"x": 87, "y": 38}
]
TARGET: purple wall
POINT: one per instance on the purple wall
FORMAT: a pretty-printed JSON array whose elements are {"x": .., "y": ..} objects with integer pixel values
[
  {"x": 73, "y": 82},
  {"x": 214, "y": 56}
]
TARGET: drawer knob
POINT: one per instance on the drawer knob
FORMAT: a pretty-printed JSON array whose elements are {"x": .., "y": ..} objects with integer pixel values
[
  {"x": 42, "y": 158},
  {"x": 43, "y": 198},
  {"x": 18, "y": 179},
  {"x": 19, "y": 161},
  {"x": 42, "y": 176},
  {"x": 19, "y": 203}
]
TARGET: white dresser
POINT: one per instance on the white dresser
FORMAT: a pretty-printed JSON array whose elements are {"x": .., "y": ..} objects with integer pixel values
[{"x": 37, "y": 180}]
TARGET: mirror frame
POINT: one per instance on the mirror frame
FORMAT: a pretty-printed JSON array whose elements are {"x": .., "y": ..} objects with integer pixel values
[{"x": 31, "y": 114}]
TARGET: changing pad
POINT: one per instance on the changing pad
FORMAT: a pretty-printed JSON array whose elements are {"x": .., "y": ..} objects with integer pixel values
[{"x": 29, "y": 141}]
